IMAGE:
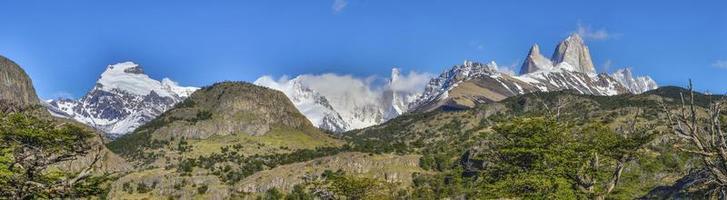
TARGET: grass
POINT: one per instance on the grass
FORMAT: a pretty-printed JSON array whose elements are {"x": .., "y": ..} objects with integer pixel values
[{"x": 278, "y": 140}]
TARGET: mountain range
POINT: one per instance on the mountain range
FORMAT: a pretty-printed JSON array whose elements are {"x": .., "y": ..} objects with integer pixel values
[
  {"x": 570, "y": 68},
  {"x": 122, "y": 99},
  {"x": 351, "y": 106},
  {"x": 125, "y": 98},
  {"x": 237, "y": 140}
]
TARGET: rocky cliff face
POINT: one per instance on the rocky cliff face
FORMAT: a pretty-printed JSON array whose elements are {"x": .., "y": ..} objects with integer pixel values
[
  {"x": 123, "y": 99},
  {"x": 16, "y": 89},
  {"x": 15, "y": 85},
  {"x": 635, "y": 85},
  {"x": 535, "y": 61},
  {"x": 571, "y": 68},
  {"x": 574, "y": 51}
]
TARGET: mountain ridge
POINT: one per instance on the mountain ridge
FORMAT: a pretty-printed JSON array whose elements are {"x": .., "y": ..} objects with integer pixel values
[
  {"x": 569, "y": 68},
  {"x": 122, "y": 99}
]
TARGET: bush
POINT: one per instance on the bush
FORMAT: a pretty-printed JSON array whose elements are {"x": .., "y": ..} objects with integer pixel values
[{"x": 202, "y": 189}]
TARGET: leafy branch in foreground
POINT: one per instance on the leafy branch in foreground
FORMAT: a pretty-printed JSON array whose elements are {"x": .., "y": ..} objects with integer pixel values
[{"x": 32, "y": 149}]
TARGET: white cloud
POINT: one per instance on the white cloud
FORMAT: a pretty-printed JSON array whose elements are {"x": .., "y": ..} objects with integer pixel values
[
  {"x": 339, "y": 5},
  {"x": 722, "y": 64},
  {"x": 588, "y": 33},
  {"x": 411, "y": 82},
  {"x": 509, "y": 69},
  {"x": 349, "y": 89},
  {"x": 606, "y": 66}
]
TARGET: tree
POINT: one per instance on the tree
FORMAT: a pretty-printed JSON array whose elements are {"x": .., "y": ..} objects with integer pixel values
[
  {"x": 703, "y": 132},
  {"x": 299, "y": 193},
  {"x": 541, "y": 157},
  {"x": 273, "y": 194},
  {"x": 531, "y": 158},
  {"x": 31, "y": 149},
  {"x": 604, "y": 155}
]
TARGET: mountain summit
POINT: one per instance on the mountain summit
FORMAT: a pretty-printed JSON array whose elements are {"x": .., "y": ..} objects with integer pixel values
[
  {"x": 123, "y": 99},
  {"x": 571, "y": 54},
  {"x": 574, "y": 52},
  {"x": 570, "y": 68},
  {"x": 535, "y": 61}
]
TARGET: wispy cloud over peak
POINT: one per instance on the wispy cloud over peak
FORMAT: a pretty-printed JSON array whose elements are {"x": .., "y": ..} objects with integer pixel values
[{"x": 589, "y": 33}]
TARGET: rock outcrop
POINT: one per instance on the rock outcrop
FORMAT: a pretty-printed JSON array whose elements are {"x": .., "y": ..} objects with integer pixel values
[
  {"x": 574, "y": 51},
  {"x": 635, "y": 85},
  {"x": 15, "y": 85},
  {"x": 535, "y": 61},
  {"x": 230, "y": 108},
  {"x": 16, "y": 89}
]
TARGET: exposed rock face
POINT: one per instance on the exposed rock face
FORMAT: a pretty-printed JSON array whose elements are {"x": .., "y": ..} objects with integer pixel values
[
  {"x": 391, "y": 168},
  {"x": 16, "y": 88},
  {"x": 469, "y": 84},
  {"x": 230, "y": 108},
  {"x": 635, "y": 84},
  {"x": 123, "y": 99},
  {"x": 15, "y": 85},
  {"x": 574, "y": 51},
  {"x": 464, "y": 86},
  {"x": 535, "y": 61}
]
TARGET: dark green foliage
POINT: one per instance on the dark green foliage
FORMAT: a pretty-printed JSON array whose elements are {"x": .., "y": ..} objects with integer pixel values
[
  {"x": 538, "y": 157},
  {"x": 203, "y": 115},
  {"x": 339, "y": 185},
  {"x": 221, "y": 163},
  {"x": 186, "y": 166},
  {"x": 132, "y": 144},
  {"x": 187, "y": 103},
  {"x": 675, "y": 93},
  {"x": 299, "y": 193},
  {"x": 126, "y": 187},
  {"x": 273, "y": 194},
  {"x": 32, "y": 146},
  {"x": 183, "y": 146},
  {"x": 202, "y": 189},
  {"x": 143, "y": 188}
]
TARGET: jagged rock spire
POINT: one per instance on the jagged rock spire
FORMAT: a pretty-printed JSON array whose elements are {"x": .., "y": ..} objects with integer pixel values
[
  {"x": 535, "y": 61},
  {"x": 574, "y": 51}
]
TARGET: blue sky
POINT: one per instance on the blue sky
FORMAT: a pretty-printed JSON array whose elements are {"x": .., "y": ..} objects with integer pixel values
[{"x": 65, "y": 45}]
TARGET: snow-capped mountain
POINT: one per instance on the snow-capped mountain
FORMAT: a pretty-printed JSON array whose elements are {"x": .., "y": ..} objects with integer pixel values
[
  {"x": 635, "y": 85},
  {"x": 309, "y": 102},
  {"x": 339, "y": 103},
  {"x": 123, "y": 99},
  {"x": 569, "y": 68},
  {"x": 397, "y": 99}
]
